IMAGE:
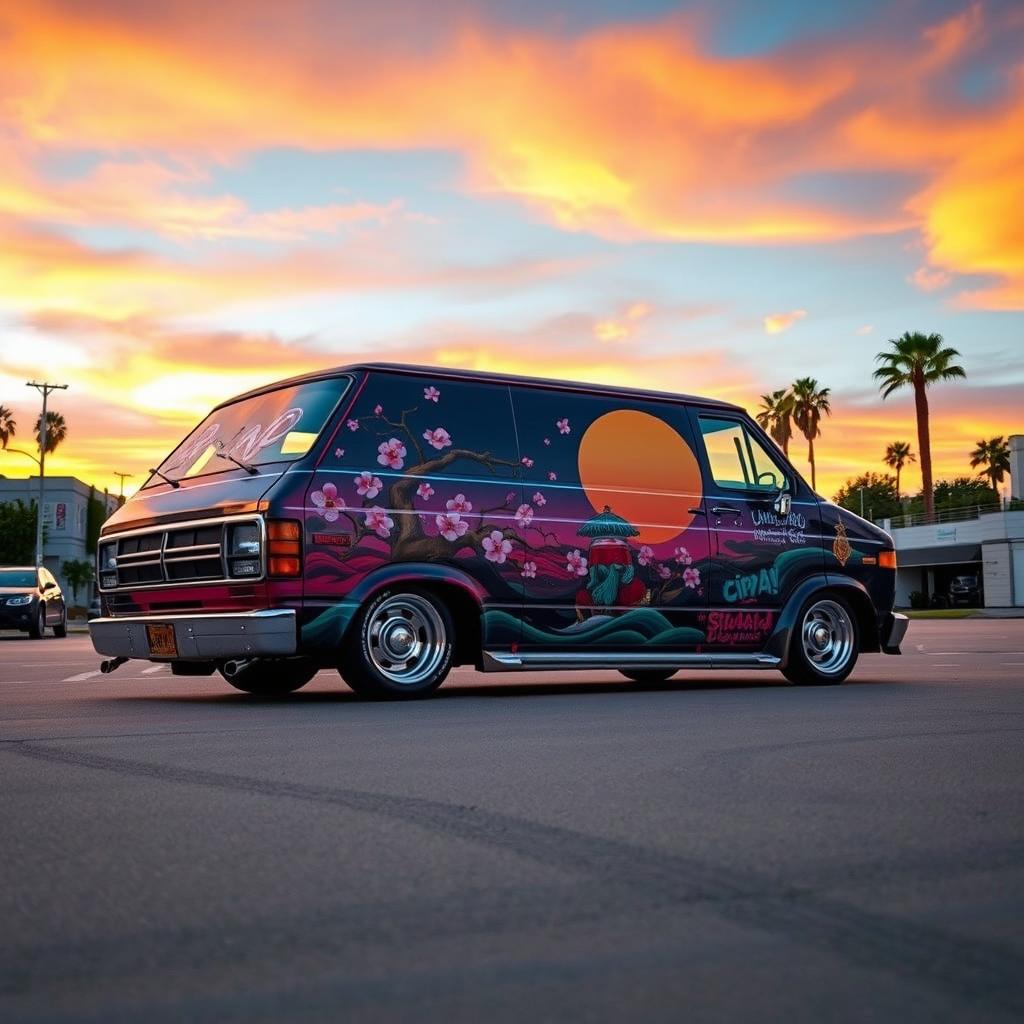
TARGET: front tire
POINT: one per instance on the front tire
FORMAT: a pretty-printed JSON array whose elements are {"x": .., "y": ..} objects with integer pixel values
[
  {"x": 38, "y": 628},
  {"x": 400, "y": 646},
  {"x": 824, "y": 646},
  {"x": 648, "y": 675},
  {"x": 270, "y": 678},
  {"x": 61, "y": 629}
]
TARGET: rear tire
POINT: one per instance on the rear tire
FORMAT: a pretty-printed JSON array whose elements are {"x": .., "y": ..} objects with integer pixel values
[
  {"x": 271, "y": 678},
  {"x": 648, "y": 675},
  {"x": 38, "y": 628},
  {"x": 400, "y": 646},
  {"x": 824, "y": 646}
]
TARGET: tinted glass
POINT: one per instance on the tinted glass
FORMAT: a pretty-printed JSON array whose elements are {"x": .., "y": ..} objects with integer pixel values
[
  {"x": 17, "y": 578},
  {"x": 279, "y": 426},
  {"x": 737, "y": 459}
]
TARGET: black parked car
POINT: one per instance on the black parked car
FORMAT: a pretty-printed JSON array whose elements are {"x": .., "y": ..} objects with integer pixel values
[
  {"x": 964, "y": 590},
  {"x": 31, "y": 600}
]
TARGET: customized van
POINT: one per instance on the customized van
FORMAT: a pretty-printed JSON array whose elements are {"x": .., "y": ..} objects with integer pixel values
[{"x": 393, "y": 521}]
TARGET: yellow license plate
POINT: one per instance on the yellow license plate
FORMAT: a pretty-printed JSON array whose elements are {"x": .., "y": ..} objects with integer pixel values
[{"x": 162, "y": 642}]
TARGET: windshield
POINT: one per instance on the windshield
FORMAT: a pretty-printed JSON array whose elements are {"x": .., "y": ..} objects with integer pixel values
[
  {"x": 17, "y": 578},
  {"x": 279, "y": 426}
]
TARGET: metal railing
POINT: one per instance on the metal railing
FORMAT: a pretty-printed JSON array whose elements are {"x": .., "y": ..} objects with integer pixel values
[{"x": 950, "y": 515}]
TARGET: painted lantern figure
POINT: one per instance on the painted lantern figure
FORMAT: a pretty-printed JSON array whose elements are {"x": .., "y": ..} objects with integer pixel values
[{"x": 611, "y": 579}]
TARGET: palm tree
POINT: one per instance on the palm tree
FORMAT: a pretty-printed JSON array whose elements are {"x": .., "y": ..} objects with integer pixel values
[
  {"x": 917, "y": 360},
  {"x": 994, "y": 456},
  {"x": 897, "y": 455},
  {"x": 56, "y": 430},
  {"x": 8, "y": 427},
  {"x": 776, "y": 415},
  {"x": 809, "y": 402}
]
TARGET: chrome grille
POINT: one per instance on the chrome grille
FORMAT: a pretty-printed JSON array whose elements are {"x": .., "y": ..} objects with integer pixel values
[{"x": 174, "y": 555}]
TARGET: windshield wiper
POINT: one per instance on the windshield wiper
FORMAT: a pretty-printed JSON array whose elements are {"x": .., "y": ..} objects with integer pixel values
[
  {"x": 174, "y": 483},
  {"x": 251, "y": 470}
]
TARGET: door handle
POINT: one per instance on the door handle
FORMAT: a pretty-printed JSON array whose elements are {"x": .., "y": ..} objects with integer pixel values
[
  {"x": 697, "y": 512},
  {"x": 726, "y": 510}
]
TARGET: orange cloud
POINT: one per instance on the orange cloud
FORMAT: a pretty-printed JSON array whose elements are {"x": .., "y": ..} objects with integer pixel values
[
  {"x": 776, "y": 323},
  {"x": 623, "y": 327}
]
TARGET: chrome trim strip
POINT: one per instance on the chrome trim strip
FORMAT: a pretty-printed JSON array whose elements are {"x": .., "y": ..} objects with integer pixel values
[{"x": 504, "y": 661}]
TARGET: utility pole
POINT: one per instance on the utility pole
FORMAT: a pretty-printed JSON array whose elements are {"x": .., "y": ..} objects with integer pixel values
[
  {"x": 44, "y": 389},
  {"x": 122, "y": 477},
  {"x": 862, "y": 502}
]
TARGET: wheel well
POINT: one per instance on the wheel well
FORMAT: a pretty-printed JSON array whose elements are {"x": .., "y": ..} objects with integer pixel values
[
  {"x": 466, "y": 615},
  {"x": 867, "y": 626}
]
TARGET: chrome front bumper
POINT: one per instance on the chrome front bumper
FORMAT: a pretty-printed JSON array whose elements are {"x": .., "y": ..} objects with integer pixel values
[{"x": 201, "y": 637}]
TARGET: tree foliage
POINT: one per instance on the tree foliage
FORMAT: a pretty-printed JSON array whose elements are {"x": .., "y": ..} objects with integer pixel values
[
  {"x": 880, "y": 498},
  {"x": 78, "y": 572},
  {"x": 17, "y": 532}
]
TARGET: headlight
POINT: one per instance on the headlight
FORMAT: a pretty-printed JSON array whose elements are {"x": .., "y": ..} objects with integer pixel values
[
  {"x": 245, "y": 540},
  {"x": 21, "y": 599},
  {"x": 244, "y": 550}
]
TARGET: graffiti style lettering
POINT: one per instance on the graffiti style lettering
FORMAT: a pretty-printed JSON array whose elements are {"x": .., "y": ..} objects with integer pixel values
[
  {"x": 739, "y": 627},
  {"x": 763, "y": 517},
  {"x": 751, "y": 585}
]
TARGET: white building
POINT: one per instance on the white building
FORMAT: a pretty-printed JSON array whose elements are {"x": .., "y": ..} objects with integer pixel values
[
  {"x": 986, "y": 544},
  {"x": 65, "y": 517}
]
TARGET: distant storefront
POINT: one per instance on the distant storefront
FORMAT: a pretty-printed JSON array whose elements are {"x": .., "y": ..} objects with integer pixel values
[{"x": 65, "y": 518}]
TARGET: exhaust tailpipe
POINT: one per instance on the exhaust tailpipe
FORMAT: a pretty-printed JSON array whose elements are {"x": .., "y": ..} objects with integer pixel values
[
  {"x": 236, "y": 667},
  {"x": 108, "y": 666}
]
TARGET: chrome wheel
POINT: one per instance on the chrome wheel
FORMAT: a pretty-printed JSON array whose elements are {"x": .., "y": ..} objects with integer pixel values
[
  {"x": 406, "y": 639},
  {"x": 828, "y": 637}
]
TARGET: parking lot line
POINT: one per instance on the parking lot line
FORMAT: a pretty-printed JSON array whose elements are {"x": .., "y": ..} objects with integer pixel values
[{"x": 82, "y": 676}]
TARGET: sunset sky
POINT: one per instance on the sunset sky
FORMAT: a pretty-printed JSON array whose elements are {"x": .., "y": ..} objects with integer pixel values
[{"x": 196, "y": 198}]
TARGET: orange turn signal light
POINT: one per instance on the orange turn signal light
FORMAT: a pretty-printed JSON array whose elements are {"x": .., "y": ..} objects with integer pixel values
[
  {"x": 284, "y": 547},
  {"x": 887, "y": 559}
]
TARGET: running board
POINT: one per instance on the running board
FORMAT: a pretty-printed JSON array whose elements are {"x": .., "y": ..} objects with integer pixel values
[{"x": 505, "y": 661}]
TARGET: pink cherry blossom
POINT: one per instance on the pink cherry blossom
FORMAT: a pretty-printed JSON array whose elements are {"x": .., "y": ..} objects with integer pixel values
[
  {"x": 379, "y": 521},
  {"x": 378, "y": 409},
  {"x": 529, "y": 570},
  {"x": 691, "y": 577},
  {"x": 683, "y": 556},
  {"x": 539, "y": 500},
  {"x": 458, "y": 504},
  {"x": 352, "y": 424},
  {"x": 451, "y": 525},
  {"x": 547, "y": 441},
  {"x": 524, "y": 516},
  {"x": 328, "y": 503},
  {"x": 552, "y": 475},
  {"x": 527, "y": 462},
  {"x": 563, "y": 426},
  {"x": 646, "y": 554},
  {"x": 496, "y": 547},
  {"x": 368, "y": 485},
  {"x": 425, "y": 491},
  {"x": 339, "y": 453},
  {"x": 664, "y": 572},
  {"x": 576, "y": 564},
  {"x": 438, "y": 438},
  {"x": 510, "y": 496},
  {"x": 392, "y": 453},
  {"x": 431, "y": 394}
]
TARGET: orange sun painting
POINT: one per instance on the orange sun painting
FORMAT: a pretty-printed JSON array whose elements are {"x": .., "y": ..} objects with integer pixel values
[{"x": 645, "y": 471}]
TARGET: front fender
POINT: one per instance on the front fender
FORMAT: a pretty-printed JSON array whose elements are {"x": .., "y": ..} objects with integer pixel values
[
  {"x": 857, "y": 596},
  {"x": 328, "y": 629}
]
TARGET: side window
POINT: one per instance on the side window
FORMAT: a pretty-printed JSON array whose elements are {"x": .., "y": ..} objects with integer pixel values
[
  {"x": 738, "y": 461},
  {"x": 460, "y": 429}
]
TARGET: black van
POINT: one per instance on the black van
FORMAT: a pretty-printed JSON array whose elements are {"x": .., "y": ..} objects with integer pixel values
[{"x": 395, "y": 520}]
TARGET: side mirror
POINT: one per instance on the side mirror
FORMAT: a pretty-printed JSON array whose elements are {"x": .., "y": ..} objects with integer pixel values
[
  {"x": 49, "y": 585},
  {"x": 783, "y": 503}
]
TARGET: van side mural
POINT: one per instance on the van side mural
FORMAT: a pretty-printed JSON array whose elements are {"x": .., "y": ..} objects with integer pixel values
[{"x": 570, "y": 550}]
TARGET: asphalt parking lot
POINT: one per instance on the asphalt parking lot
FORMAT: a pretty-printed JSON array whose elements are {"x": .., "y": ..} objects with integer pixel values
[{"x": 722, "y": 847}]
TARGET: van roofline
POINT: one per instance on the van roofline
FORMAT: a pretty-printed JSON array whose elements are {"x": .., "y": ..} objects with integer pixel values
[{"x": 447, "y": 373}]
